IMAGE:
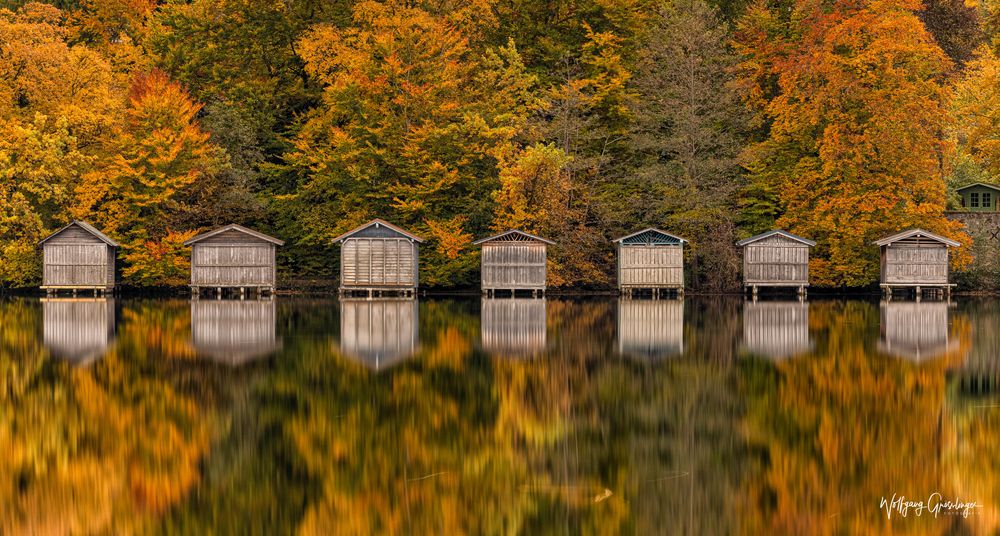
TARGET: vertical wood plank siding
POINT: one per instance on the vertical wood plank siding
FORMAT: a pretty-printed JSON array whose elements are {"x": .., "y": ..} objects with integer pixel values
[
  {"x": 74, "y": 258},
  {"x": 914, "y": 261},
  {"x": 232, "y": 331},
  {"x": 776, "y": 260},
  {"x": 513, "y": 325},
  {"x": 650, "y": 327},
  {"x": 78, "y": 330},
  {"x": 914, "y": 330},
  {"x": 233, "y": 259},
  {"x": 379, "y": 333},
  {"x": 514, "y": 265},
  {"x": 378, "y": 262},
  {"x": 776, "y": 329},
  {"x": 650, "y": 266}
]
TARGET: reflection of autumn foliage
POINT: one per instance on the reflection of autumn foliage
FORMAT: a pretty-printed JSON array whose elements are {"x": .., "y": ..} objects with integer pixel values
[
  {"x": 845, "y": 427},
  {"x": 158, "y": 329},
  {"x": 89, "y": 450},
  {"x": 971, "y": 457}
]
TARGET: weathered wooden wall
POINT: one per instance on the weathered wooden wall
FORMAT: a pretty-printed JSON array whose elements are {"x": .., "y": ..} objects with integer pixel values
[
  {"x": 234, "y": 331},
  {"x": 914, "y": 261},
  {"x": 233, "y": 259},
  {"x": 914, "y": 330},
  {"x": 513, "y": 265},
  {"x": 650, "y": 327},
  {"x": 513, "y": 325},
  {"x": 650, "y": 266},
  {"x": 776, "y": 260},
  {"x": 78, "y": 329},
  {"x": 776, "y": 329},
  {"x": 76, "y": 258},
  {"x": 379, "y": 333},
  {"x": 379, "y": 263}
]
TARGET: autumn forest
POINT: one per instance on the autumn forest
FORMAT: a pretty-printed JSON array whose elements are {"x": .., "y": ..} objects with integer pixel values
[{"x": 577, "y": 120}]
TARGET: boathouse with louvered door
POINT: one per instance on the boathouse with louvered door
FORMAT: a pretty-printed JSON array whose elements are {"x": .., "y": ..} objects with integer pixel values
[
  {"x": 233, "y": 257},
  {"x": 776, "y": 259},
  {"x": 379, "y": 333},
  {"x": 78, "y": 257},
  {"x": 915, "y": 259},
  {"x": 379, "y": 258},
  {"x": 650, "y": 259},
  {"x": 513, "y": 261}
]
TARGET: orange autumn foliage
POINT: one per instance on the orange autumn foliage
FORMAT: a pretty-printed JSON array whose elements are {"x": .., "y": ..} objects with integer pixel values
[{"x": 855, "y": 97}]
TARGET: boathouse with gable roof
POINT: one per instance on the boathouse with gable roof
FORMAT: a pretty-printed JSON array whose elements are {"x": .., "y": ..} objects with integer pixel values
[
  {"x": 776, "y": 259},
  {"x": 915, "y": 259},
  {"x": 379, "y": 258},
  {"x": 514, "y": 260},
  {"x": 233, "y": 257},
  {"x": 78, "y": 257},
  {"x": 650, "y": 259}
]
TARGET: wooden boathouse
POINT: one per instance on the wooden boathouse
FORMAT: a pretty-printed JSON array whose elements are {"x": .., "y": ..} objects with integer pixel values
[
  {"x": 234, "y": 332},
  {"x": 915, "y": 259},
  {"x": 379, "y": 333},
  {"x": 650, "y": 259},
  {"x": 513, "y": 326},
  {"x": 78, "y": 330},
  {"x": 776, "y": 259},
  {"x": 233, "y": 257},
  {"x": 776, "y": 329},
  {"x": 915, "y": 331},
  {"x": 78, "y": 257},
  {"x": 379, "y": 258},
  {"x": 514, "y": 260},
  {"x": 650, "y": 328}
]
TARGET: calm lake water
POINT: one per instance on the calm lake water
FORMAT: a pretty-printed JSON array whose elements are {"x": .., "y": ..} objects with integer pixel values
[{"x": 469, "y": 416}]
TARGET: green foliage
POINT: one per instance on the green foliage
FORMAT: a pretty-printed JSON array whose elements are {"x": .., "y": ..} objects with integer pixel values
[{"x": 581, "y": 120}]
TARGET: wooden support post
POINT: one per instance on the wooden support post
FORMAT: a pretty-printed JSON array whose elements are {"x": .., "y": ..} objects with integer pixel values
[
  {"x": 754, "y": 292},
  {"x": 919, "y": 294},
  {"x": 680, "y": 293}
]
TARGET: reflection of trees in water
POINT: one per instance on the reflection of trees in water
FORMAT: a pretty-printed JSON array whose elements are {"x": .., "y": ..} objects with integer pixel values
[
  {"x": 90, "y": 450},
  {"x": 973, "y": 405},
  {"x": 844, "y": 427},
  {"x": 578, "y": 440},
  {"x": 453, "y": 442}
]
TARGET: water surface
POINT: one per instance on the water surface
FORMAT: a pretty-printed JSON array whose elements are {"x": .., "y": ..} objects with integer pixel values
[{"x": 707, "y": 416}]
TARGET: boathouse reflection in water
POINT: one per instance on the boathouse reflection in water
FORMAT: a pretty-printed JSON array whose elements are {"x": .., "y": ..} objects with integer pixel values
[
  {"x": 79, "y": 330},
  {"x": 234, "y": 332}
]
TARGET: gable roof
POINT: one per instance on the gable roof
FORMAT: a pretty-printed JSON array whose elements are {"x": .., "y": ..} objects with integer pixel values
[
  {"x": 234, "y": 227},
  {"x": 919, "y": 233},
  {"x": 650, "y": 230},
  {"x": 769, "y": 234},
  {"x": 378, "y": 222},
  {"x": 86, "y": 227},
  {"x": 514, "y": 232},
  {"x": 983, "y": 184}
]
